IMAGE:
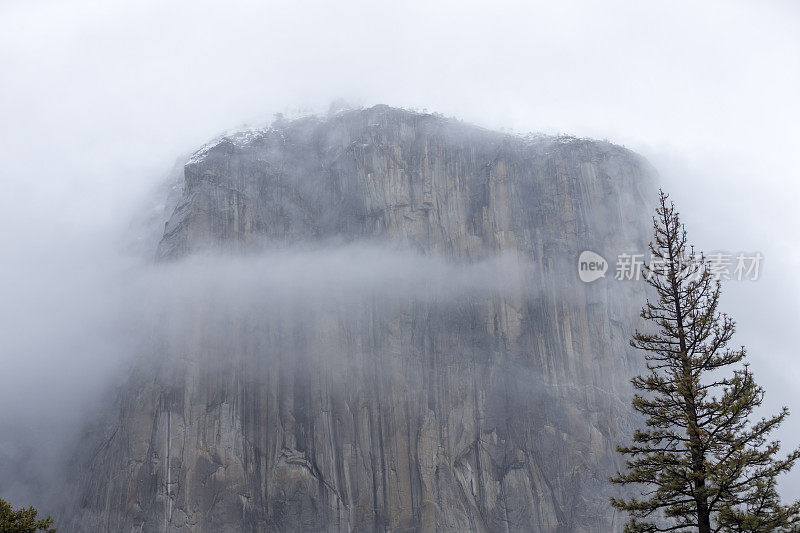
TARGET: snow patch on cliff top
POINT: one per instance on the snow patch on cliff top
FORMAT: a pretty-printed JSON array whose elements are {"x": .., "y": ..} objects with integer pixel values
[{"x": 238, "y": 138}]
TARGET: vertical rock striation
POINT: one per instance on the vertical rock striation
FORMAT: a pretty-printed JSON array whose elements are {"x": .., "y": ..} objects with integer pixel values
[{"x": 493, "y": 409}]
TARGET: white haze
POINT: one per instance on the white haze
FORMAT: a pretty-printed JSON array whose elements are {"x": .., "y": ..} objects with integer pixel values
[{"x": 98, "y": 99}]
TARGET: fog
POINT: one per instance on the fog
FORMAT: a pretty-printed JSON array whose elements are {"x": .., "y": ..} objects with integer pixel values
[{"x": 98, "y": 100}]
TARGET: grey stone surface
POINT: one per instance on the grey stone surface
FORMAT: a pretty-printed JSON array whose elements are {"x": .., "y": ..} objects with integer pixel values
[{"x": 486, "y": 411}]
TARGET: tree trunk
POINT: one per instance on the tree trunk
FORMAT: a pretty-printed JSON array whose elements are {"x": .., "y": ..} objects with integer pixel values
[
  {"x": 695, "y": 444},
  {"x": 703, "y": 515}
]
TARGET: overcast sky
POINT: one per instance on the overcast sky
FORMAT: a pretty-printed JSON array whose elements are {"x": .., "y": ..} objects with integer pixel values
[{"x": 98, "y": 99}]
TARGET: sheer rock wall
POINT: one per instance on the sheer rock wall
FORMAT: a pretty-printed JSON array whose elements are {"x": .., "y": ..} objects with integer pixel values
[{"x": 488, "y": 410}]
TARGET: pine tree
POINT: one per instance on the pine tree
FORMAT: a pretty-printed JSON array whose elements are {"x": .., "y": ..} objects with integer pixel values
[
  {"x": 22, "y": 520},
  {"x": 704, "y": 466}
]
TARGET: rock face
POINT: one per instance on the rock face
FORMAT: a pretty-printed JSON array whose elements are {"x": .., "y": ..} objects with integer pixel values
[{"x": 484, "y": 409}]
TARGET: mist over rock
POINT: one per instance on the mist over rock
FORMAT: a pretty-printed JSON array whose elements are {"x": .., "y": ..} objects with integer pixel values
[{"x": 374, "y": 321}]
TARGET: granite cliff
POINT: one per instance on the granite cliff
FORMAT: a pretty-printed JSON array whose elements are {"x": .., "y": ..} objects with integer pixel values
[{"x": 493, "y": 406}]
